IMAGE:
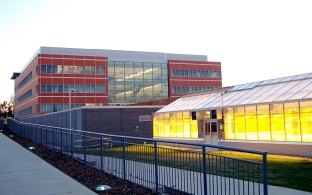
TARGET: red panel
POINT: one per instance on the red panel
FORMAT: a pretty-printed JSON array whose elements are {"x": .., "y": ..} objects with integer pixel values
[{"x": 45, "y": 61}]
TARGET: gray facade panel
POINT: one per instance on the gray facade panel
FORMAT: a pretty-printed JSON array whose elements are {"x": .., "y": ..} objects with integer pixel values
[
  {"x": 120, "y": 55},
  {"x": 118, "y": 120}
]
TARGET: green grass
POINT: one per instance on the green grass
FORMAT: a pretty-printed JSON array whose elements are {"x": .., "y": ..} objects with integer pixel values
[{"x": 284, "y": 171}]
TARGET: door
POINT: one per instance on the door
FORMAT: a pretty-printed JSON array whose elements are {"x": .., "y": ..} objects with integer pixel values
[{"x": 211, "y": 132}]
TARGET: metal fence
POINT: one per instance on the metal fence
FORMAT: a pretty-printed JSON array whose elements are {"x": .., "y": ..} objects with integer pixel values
[{"x": 171, "y": 167}]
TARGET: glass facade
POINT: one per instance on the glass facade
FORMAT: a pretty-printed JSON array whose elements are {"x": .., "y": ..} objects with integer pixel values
[
  {"x": 130, "y": 82},
  {"x": 286, "y": 122},
  {"x": 175, "y": 125}
]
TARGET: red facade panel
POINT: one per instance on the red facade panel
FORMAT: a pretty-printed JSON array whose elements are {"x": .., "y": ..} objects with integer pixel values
[
  {"x": 39, "y": 79},
  {"x": 192, "y": 79}
]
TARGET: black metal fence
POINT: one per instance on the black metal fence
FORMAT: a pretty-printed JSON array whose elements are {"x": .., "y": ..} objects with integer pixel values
[{"x": 171, "y": 167}]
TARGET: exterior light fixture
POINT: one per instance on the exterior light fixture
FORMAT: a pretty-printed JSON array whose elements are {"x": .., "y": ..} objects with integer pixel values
[
  {"x": 102, "y": 188},
  {"x": 31, "y": 148},
  {"x": 11, "y": 136}
]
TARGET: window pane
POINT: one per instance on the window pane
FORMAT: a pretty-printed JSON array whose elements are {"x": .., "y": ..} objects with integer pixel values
[
  {"x": 277, "y": 122},
  {"x": 251, "y": 123},
  {"x": 292, "y": 125},
  {"x": 263, "y": 120},
  {"x": 306, "y": 120},
  {"x": 240, "y": 123}
]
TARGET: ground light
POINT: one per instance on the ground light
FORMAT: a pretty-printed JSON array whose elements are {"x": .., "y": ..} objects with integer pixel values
[
  {"x": 102, "y": 188},
  {"x": 31, "y": 148}
]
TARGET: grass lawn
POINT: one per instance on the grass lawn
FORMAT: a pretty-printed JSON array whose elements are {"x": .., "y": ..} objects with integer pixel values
[{"x": 284, "y": 171}]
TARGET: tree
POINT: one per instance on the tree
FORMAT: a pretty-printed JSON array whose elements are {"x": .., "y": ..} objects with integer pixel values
[{"x": 6, "y": 108}]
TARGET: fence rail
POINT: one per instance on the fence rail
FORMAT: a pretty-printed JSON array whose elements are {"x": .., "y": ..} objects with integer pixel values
[{"x": 171, "y": 167}]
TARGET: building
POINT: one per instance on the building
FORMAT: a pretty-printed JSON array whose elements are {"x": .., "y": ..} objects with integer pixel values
[
  {"x": 57, "y": 79},
  {"x": 117, "y": 120},
  {"x": 273, "y": 115}
]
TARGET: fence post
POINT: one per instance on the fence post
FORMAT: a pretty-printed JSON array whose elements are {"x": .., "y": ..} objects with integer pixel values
[
  {"x": 156, "y": 166},
  {"x": 265, "y": 174},
  {"x": 204, "y": 170},
  {"x": 124, "y": 158}
]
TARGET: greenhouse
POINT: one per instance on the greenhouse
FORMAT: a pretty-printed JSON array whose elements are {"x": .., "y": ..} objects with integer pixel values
[{"x": 276, "y": 110}]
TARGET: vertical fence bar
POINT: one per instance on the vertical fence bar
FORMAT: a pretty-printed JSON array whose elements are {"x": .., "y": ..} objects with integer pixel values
[
  {"x": 71, "y": 143},
  {"x": 101, "y": 152},
  {"x": 85, "y": 147},
  {"x": 156, "y": 167},
  {"x": 265, "y": 174},
  {"x": 41, "y": 132},
  {"x": 46, "y": 136},
  {"x": 204, "y": 170},
  {"x": 124, "y": 158},
  {"x": 53, "y": 132},
  {"x": 61, "y": 140}
]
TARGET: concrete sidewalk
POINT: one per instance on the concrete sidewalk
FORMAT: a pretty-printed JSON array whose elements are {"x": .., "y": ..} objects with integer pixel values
[{"x": 22, "y": 172}]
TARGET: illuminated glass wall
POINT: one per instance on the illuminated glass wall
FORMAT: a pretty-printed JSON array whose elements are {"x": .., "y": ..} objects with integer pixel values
[
  {"x": 130, "y": 82},
  {"x": 175, "y": 125},
  {"x": 287, "y": 122}
]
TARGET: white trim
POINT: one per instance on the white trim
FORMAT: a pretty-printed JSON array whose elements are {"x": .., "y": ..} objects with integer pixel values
[
  {"x": 60, "y": 58},
  {"x": 170, "y": 79},
  {"x": 67, "y": 96},
  {"x": 73, "y": 77},
  {"x": 197, "y": 64},
  {"x": 266, "y": 142}
]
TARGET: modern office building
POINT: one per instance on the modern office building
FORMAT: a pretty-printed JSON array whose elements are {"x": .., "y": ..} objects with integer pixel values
[
  {"x": 57, "y": 79},
  {"x": 275, "y": 113}
]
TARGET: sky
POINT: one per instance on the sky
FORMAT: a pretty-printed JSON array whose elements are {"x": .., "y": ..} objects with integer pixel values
[{"x": 253, "y": 40}]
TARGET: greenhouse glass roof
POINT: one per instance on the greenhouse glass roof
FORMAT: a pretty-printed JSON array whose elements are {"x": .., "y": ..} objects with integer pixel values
[{"x": 292, "y": 88}]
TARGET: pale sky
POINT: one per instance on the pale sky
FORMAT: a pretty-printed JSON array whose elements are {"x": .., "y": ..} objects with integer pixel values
[{"x": 254, "y": 40}]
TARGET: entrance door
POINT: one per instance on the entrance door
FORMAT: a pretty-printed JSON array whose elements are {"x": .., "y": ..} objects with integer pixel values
[{"x": 211, "y": 132}]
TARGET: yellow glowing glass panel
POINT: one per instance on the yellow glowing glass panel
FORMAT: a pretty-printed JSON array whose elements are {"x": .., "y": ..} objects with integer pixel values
[
  {"x": 306, "y": 120},
  {"x": 194, "y": 129},
  {"x": 292, "y": 124},
  {"x": 277, "y": 122},
  {"x": 173, "y": 125},
  {"x": 186, "y": 125},
  {"x": 180, "y": 130},
  {"x": 155, "y": 126},
  {"x": 166, "y": 124},
  {"x": 239, "y": 117},
  {"x": 263, "y": 122},
  {"x": 251, "y": 123},
  {"x": 229, "y": 129}
]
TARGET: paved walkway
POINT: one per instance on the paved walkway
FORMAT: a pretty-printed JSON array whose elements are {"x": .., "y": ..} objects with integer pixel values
[{"x": 22, "y": 172}]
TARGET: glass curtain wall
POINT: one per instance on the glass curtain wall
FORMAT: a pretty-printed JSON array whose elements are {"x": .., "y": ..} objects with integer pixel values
[
  {"x": 287, "y": 122},
  {"x": 130, "y": 82},
  {"x": 175, "y": 125}
]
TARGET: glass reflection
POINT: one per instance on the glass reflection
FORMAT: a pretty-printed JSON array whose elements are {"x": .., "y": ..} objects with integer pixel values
[{"x": 136, "y": 81}]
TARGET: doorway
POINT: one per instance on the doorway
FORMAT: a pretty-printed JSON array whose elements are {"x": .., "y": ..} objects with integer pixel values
[{"x": 211, "y": 129}]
